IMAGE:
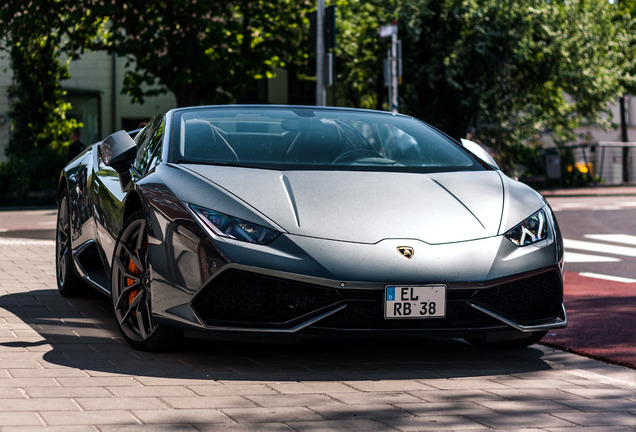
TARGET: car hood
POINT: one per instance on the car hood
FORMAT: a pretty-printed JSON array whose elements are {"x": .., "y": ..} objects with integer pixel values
[{"x": 367, "y": 207}]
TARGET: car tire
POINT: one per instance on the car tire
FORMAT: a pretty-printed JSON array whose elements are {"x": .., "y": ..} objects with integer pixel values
[
  {"x": 522, "y": 342},
  {"x": 68, "y": 282},
  {"x": 131, "y": 293}
]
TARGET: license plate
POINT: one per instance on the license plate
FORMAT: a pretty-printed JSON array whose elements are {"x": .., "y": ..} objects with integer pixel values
[{"x": 415, "y": 301}]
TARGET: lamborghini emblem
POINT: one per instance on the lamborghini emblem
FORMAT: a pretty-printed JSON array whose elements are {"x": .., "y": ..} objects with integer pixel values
[{"x": 406, "y": 251}]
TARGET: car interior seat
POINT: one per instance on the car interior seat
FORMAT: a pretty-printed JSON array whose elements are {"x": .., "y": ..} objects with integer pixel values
[{"x": 204, "y": 142}]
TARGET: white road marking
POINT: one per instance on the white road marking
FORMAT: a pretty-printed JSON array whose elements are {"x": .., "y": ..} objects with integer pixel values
[
  {"x": 564, "y": 206},
  {"x": 25, "y": 242},
  {"x": 573, "y": 257},
  {"x": 608, "y": 277},
  {"x": 559, "y": 207},
  {"x": 599, "y": 248},
  {"x": 613, "y": 238}
]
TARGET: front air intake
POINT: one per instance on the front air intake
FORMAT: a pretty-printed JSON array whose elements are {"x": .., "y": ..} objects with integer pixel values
[{"x": 238, "y": 296}]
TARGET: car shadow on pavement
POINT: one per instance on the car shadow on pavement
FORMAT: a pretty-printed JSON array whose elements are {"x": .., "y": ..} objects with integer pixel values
[{"x": 81, "y": 333}]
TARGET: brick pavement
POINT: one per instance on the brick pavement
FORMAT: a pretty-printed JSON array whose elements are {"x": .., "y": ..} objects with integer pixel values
[{"x": 64, "y": 367}]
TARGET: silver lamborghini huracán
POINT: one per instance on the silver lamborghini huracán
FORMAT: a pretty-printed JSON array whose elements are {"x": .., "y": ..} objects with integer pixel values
[{"x": 285, "y": 222}]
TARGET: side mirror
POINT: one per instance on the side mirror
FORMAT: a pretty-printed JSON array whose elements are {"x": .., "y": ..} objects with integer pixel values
[
  {"x": 479, "y": 151},
  {"x": 118, "y": 151}
]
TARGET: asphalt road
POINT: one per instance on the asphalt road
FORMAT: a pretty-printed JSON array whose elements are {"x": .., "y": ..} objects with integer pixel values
[
  {"x": 600, "y": 281},
  {"x": 599, "y": 233},
  {"x": 31, "y": 224}
]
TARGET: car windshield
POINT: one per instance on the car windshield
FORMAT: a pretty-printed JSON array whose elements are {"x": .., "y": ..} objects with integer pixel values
[{"x": 295, "y": 138}]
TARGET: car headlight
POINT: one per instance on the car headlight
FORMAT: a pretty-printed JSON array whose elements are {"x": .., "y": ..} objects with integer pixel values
[
  {"x": 531, "y": 230},
  {"x": 234, "y": 228}
]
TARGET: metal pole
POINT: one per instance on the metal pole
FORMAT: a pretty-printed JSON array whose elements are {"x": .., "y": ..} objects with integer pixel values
[
  {"x": 600, "y": 174},
  {"x": 624, "y": 138},
  {"x": 394, "y": 69},
  {"x": 113, "y": 95},
  {"x": 389, "y": 81},
  {"x": 321, "y": 94}
]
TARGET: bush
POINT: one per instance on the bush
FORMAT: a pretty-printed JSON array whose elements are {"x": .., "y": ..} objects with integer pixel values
[
  {"x": 32, "y": 179},
  {"x": 40, "y": 130}
]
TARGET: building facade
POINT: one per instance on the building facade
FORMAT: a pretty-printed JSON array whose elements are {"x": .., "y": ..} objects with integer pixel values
[{"x": 94, "y": 91}]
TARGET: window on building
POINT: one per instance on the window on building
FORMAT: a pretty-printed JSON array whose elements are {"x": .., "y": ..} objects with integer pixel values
[{"x": 86, "y": 109}]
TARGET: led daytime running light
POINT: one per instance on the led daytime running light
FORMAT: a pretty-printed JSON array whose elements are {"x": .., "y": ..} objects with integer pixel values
[
  {"x": 532, "y": 230},
  {"x": 234, "y": 228}
]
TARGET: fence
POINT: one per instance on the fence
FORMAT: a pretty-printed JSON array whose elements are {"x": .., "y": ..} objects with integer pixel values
[{"x": 613, "y": 162}]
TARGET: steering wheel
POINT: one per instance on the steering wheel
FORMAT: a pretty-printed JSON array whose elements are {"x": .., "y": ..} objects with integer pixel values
[{"x": 355, "y": 154}]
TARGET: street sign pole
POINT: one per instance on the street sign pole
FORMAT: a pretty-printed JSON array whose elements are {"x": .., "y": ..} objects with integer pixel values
[
  {"x": 394, "y": 69},
  {"x": 321, "y": 93},
  {"x": 388, "y": 80}
]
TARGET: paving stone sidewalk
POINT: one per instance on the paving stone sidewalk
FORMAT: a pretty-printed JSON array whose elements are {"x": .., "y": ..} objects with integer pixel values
[{"x": 64, "y": 367}]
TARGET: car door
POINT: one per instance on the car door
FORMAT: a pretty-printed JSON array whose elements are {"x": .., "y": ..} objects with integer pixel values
[{"x": 108, "y": 195}]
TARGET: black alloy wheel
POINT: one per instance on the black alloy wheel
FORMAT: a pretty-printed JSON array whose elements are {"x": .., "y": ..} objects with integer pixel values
[
  {"x": 68, "y": 283},
  {"x": 131, "y": 294}
]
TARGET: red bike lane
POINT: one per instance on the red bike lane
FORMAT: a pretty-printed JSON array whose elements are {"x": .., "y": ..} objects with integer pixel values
[{"x": 602, "y": 320}]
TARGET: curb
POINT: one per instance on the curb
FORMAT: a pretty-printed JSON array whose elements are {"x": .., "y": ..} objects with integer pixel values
[{"x": 589, "y": 192}]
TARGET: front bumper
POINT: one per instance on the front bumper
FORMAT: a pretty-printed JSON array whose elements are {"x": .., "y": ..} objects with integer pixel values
[
  {"x": 242, "y": 301},
  {"x": 300, "y": 286}
]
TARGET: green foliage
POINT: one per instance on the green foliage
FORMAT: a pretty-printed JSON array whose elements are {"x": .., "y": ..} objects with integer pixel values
[
  {"x": 626, "y": 19},
  {"x": 360, "y": 52},
  {"x": 514, "y": 70},
  {"x": 208, "y": 51},
  {"x": 507, "y": 72},
  {"x": 503, "y": 72},
  {"x": 39, "y": 128}
]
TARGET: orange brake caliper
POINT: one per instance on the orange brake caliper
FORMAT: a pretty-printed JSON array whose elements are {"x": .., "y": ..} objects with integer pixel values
[{"x": 132, "y": 268}]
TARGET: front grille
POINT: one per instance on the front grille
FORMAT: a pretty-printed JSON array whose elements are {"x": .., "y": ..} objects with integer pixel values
[
  {"x": 239, "y": 296},
  {"x": 533, "y": 298},
  {"x": 365, "y": 310},
  {"x": 243, "y": 299}
]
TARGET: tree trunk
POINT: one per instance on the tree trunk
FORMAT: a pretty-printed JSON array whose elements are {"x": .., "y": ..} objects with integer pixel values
[{"x": 189, "y": 95}]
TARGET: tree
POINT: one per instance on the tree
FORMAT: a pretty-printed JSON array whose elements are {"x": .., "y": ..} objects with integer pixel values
[
  {"x": 508, "y": 71},
  {"x": 626, "y": 18},
  {"x": 201, "y": 50},
  {"x": 360, "y": 51},
  {"x": 39, "y": 127}
]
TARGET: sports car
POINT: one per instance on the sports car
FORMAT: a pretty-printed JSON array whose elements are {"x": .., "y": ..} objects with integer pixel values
[{"x": 280, "y": 223}]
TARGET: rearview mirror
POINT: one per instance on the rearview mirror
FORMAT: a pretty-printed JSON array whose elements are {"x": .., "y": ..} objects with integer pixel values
[
  {"x": 479, "y": 151},
  {"x": 118, "y": 151}
]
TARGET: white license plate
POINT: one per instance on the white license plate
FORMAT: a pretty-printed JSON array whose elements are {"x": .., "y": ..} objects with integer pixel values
[{"x": 415, "y": 301}]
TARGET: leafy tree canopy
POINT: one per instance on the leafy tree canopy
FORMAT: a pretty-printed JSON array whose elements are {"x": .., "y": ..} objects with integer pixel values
[
  {"x": 626, "y": 19},
  {"x": 201, "y": 50},
  {"x": 503, "y": 71},
  {"x": 360, "y": 52},
  {"x": 39, "y": 127},
  {"x": 508, "y": 71}
]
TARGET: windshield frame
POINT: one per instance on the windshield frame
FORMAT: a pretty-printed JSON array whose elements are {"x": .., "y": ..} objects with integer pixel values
[{"x": 300, "y": 119}]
